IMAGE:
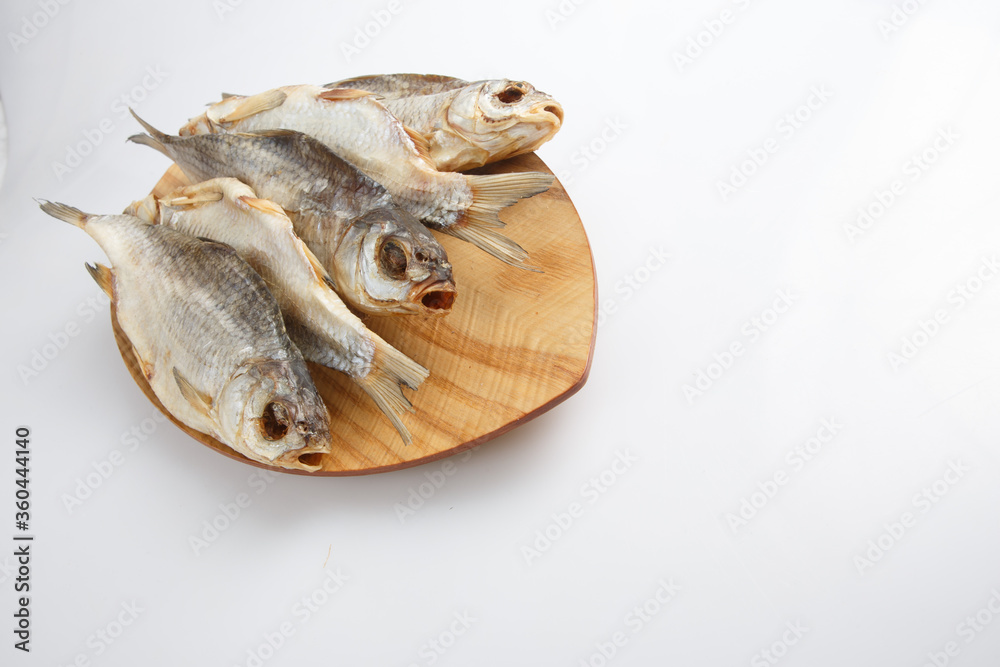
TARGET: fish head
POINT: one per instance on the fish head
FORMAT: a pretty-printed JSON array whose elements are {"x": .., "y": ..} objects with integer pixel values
[
  {"x": 272, "y": 409},
  {"x": 505, "y": 117},
  {"x": 399, "y": 267}
]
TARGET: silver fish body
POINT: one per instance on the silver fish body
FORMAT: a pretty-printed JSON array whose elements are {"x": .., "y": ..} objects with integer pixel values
[
  {"x": 209, "y": 338},
  {"x": 318, "y": 322},
  {"x": 467, "y": 124},
  {"x": 330, "y": 204},
  {"x": 359, "y": 128}
]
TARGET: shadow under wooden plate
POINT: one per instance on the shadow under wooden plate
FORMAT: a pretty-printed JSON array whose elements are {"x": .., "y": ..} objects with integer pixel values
[{"x": 516, "y": 344}]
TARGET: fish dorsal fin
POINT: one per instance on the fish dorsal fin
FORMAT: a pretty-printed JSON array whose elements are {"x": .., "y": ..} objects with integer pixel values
[
  {"x": 263, "y": 205},
  {"x": 103, "y": 276},
  {"x": 420, "y": 141},
  {"x": 253, "y": 105},
  {"x": 198, "y": 399},
  {"x": 226, "y": 96},
  {"x": 273, "y": 133},
  {"x": 144, "y": 209},
  {"x": 402, "y": 85},
  {"x": 342, "y": 94}
]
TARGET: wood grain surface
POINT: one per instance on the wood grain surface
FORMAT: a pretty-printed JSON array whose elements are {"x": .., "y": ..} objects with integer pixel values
[{"x": 516, "y": 344}]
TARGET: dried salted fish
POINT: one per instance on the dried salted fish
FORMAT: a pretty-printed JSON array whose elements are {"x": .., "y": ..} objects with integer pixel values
[
  {"x": 380, "y": 258},
  {"x": 466, "y": 124},
  {"x": 209, "y": 338},
  {"x": 361, "y": 130},
  {"x": 318, "y": 322}
]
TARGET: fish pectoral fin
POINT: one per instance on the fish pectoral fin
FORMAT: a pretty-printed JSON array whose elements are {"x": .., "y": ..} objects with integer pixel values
[
  {"x": 317, "y": 266},
  {"x": 199, "y": 400},
  {"x": 190, "y": 196},
  {"x": 263, "y": 205},
  {"x": 341, "y": 94},
  {"x": 103, "y": 276},
  {"x": 253, "y": 105},
  {"x": 192, "y": 199},
  {"x": 422, "y": 145}
]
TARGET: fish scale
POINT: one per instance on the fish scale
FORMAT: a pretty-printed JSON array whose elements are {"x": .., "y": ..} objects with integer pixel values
[
  {"x": 361, "y": 130},
  {"x": 209, "y": 338},
  {"x": 325, "y": 331},
  {"x": 346, "y": 218}
]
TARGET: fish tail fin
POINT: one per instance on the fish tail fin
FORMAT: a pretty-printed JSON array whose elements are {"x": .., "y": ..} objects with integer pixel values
[
  {"x": 391, "y": 370},
  {"x": 490, "y": 194},
  {"x": 155, "y": 138},
  {"x": 73, "y": 216},
  {"x": 493, "y": 192}
]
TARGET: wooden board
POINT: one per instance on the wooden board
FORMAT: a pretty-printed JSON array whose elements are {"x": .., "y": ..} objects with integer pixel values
[{"x": 516, "y": 344}]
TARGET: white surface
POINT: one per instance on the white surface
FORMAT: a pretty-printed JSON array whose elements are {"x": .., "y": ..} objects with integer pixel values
[{"x": 665, "y": 136}]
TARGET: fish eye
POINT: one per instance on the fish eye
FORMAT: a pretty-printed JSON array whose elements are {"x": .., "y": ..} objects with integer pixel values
[
  {"x": 275, "y": 421},
  {"x": 510, "y": 94},
  {"x": 392, "y": 259}
]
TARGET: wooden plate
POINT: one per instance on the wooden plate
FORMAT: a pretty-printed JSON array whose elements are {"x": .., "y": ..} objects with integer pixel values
[{"x": 516, "y": 344}]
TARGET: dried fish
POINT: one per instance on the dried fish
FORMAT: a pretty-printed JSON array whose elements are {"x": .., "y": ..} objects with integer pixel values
[
  {"x": 318, "y": 322},
  {"x": 380, "y": 258},
  {"x": 209, "y": 338},
  {"x": 361, "y": 130},
  {"x": 467, "y": 124}
]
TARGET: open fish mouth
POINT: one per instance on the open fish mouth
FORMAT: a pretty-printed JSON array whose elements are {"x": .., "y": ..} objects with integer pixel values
[
  {"x": 277, "y": 422},
  {"x": 552, "y": 108},
  {"x": 547, "y": 113},
  {"x": 436, "y": 296},
  {"x": 309, "y": 459}
]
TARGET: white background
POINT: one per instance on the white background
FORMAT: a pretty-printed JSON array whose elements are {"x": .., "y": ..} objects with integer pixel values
[{"x": 847, "y": 549}]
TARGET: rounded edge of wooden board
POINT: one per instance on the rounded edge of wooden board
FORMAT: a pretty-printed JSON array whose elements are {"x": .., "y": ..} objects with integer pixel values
[{"x": 125, "y": 349}]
